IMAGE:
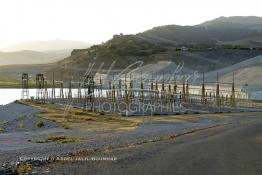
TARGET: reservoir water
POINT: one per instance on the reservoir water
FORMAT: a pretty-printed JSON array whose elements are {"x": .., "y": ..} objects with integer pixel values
[{"x": 9, "y": 95}]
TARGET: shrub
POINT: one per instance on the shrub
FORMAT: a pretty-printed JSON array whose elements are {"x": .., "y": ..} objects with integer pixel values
[
  {"x": 2, "y": 130},
  {"x": 40, "y": 123},
  {"x": 89, "y": 119},
  {"x": 57, "y": 139},
  {"x": 4, "y": 122},
  {"x": 24, "y": 169},
  {"x": 162, "y": 138},
  {"x": 65, "y": 126},
  {"x": 21, "y": 125}
]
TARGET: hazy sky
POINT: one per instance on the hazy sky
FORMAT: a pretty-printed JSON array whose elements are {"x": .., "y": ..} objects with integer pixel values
[{"x": 95, "y": 21}]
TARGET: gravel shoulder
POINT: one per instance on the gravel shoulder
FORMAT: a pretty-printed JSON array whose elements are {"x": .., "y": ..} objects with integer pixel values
[{"x": 14, "y": 143}]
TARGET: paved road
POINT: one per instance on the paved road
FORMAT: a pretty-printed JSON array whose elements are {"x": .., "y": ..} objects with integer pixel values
[{"x": 232, "y": 149}]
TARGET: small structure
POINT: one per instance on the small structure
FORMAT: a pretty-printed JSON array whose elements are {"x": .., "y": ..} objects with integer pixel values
[
  {"x": 25, "y": 86},
  {"x": 40, "y": 82},
  {"x": 183, "y": 48}
]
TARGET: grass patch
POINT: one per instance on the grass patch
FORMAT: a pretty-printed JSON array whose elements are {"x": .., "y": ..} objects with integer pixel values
[
  {"x": 162, "y": 137},
  {"x": 40, "y": 123},
  {"x": 80, "y": 113},
  {"x": 2, "y": 130},
  {"x": 24, "y": 169},
  {"x": 81, "y": 119},
  {"x": 9, "y": 82},
  {"x": 21, "y": 126},
  {"x": 89, "y": 119},
  {"x": 57, "y": 139},
  {"x": 65, "y": 126},
  {"x": 4, "y": 122}
]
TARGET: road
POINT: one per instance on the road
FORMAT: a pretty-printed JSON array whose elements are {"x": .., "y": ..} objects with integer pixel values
[{"x": 230, "y": 149}]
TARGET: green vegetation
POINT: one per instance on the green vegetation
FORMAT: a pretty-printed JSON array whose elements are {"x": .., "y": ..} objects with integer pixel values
[
  {"x": 16, "y": 83},
  {"x": 65, "y": 126},
  {"x": 2, "y": 130},
  {"x": 21, "y": 126},
  {"x": 239, "y": 47},
  {"x": 40, "y": 123},
  {"x": 58, "y": 139},
  {"x": 126, "y": 45},
  {"x": 24, "y": 169},
  {"x": 83, "y": 120},
  {"x": 124, "y": 49},
  {"x": 13, "y": 83},
  {"x": 4, "y": 122},
  {"x": 10, "y": 83},
  {"x": 162, "y": 138}
]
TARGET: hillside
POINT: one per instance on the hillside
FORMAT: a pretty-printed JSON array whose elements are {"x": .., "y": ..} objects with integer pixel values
[
  {"x": 123, "y": 50},
  {"x": 106, "y": 55},
  {"x": 245, "y": 31},
  {"x": 246, "y": 72},
  {"x": 210, "y": 46}
]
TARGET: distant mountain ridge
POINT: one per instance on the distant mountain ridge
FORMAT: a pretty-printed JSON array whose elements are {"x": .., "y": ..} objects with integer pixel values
[
  {"x": 249, "y": 21},
  {"x": 47, "y": 45},
  {"x": 245, "y": 31},
  {"x": 31, "y": 57},
  {"x": 39, "y": 52}
]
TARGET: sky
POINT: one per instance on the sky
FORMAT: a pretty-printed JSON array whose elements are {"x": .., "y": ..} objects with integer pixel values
[{"x": 95, "y": 21}]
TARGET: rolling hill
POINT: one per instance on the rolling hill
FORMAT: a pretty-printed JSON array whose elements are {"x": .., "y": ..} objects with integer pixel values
[
  {"x": 223, "y": 45},
  {"x": 208, "y": 46},
  {"x": 247, "y": 75},
  {"x": 246, "y": 72},
  {"x": 39, "y": 52},
  {"x": 244, "y": 31}
]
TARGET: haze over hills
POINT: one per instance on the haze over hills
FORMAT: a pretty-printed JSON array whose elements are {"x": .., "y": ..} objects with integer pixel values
[
  {"x": 48, "y": 45},
  {"x": 31, "y": 57},
  {"x": 39, "y": 52},
  {"x": 210, "y": 46}
]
